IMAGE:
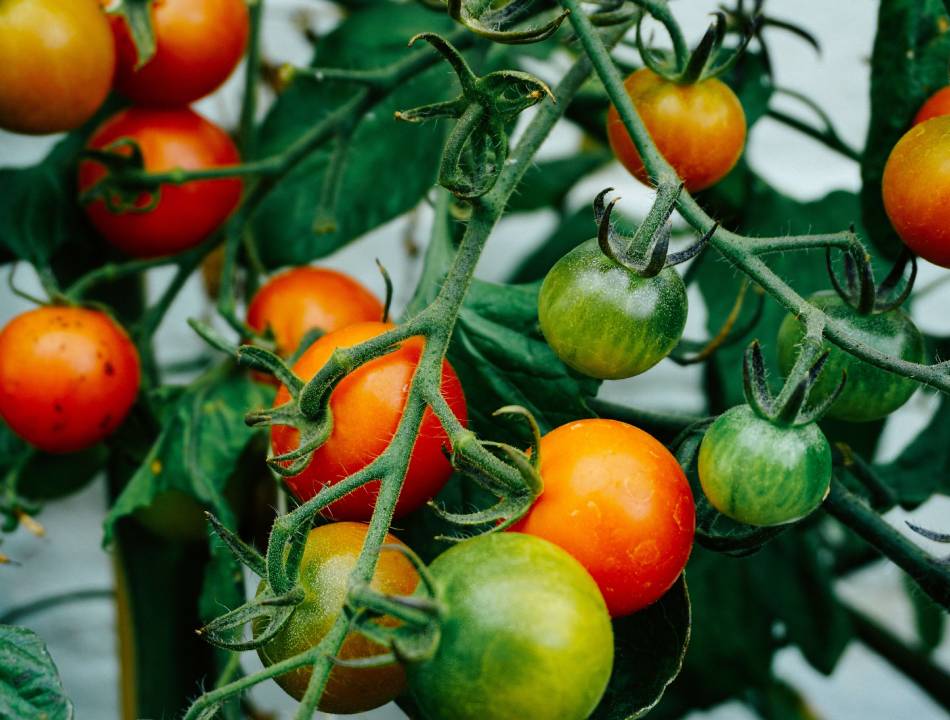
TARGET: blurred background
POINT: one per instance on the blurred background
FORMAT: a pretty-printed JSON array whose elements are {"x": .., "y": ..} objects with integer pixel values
[{"x": 81, "y": 636}]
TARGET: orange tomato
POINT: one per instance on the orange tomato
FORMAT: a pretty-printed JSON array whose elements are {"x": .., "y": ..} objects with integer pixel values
[
  {"x": 302, "y": 299},
  {"x": 68, "y": 377},
  {"x": 916, "y": 189},
  {"x": 198, "y": 43},
  {"x": 186, "y": 214},
  {"x": 618, "y": 501},
  {"x": 700, "y": 129},
  {"x": 367, "y": 406},
  {"x": 57, "y": 59},
  {"x": 937, "y": 104}
]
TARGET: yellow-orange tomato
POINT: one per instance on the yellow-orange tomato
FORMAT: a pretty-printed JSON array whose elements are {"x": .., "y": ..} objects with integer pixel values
[
  {"x": 916, "y": 189},
  {"x": 329, "y": 558},
  {"x": 618, "y": 501},
  {"x": 302, "y": 299},
  {"x": 68, "y": 377},
  {"x": 937, "y": 104},
  {"x": 198, "y": 43},
  {"x": 57, "y": 58},
  {"x": 699, "y": 129},
  {"x": 367, "y": 406}
]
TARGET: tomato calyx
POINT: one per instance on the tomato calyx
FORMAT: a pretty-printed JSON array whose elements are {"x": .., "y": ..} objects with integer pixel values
[
  {"x": 515, "y": 479},
  {"x": 788, "y": 407},
  {"x": 124, "y": 188},
  {"x": 137, "y": 15},
  {"x": 416, "y": 636},
  {"x": 497, "y": 23},
  {"x": 860, "y": 290},
  {"x": 477, "y": 148},
  {"x": 707, "y": 58},
  {"x": 646, "y": 252}
]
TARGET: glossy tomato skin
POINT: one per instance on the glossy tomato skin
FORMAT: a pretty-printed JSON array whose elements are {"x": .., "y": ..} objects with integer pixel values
[
  {"x": 329, "y": 558},
  {"x": 606, "y": 321},
  {"x": 198, "y": 43},
  {"x": 68, "y": 377},
  {"x": 618, "y": 501},
  {"x": 526, "y": 634},
  {"x": 869, "y": 393},
  {"x": 937, "y": 105},
  {"x": 302, "y": 299},
  {"x": 916, "y": 189},
  {"x": 700, "y": 129},
  {"x": 68, "y": 50},
  {"x": 186, "y": 214},
  {"x": 367, "y": 406},
  {"x": 761, "y": 474}
]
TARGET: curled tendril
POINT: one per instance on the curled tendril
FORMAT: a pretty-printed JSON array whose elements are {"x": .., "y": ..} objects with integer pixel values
[
  {"x": 752, "y": 24},
  {"x": 477, "y": 148},
  {"x": 646, "y": 253}
]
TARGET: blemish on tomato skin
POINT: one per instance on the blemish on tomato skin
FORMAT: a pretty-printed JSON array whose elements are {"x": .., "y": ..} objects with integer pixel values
[{"x": 109, "y": 368}]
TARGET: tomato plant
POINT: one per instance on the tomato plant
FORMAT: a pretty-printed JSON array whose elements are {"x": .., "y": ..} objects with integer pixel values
[
  {"x": 616, "y": 500},
  {"x": 916, "y": 187},
  {"x": 198, "y": 43},
  {"x": 71, "y": 58},
  {"x": 366, "y": 407},
  {"x": 699, "y": 128},
  {"x": 178, "y": 216},
  {"x": 304, "y": 299},
  {"x": 68, "y": 377},
  {"x": 328, "y": 559},
  {"x": 494, "y": 588}
]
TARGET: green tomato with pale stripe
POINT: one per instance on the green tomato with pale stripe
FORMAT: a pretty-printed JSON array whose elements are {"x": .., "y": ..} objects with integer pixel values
[
  {"x": 606, "y": 321},
  {"x": 760, "y": 473}
]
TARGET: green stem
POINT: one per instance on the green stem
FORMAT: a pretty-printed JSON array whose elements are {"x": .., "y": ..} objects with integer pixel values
[
  {"x": 247, "y": 131},
  {"x": 660, "y": 10},
  {"x": 738, "y": 249},
  {"x": 827, "y": 138},
  {"x": 930, "y": 573},
  {"x": 928, "y": 676},
  {"x": 17, "y": 614}
]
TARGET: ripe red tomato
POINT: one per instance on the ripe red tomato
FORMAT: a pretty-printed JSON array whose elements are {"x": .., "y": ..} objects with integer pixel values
[
  {"x": 307, "y": 298},
  {"x": 618, "y": 501},
  {"x": 68, "y": 377},
  {"x": 916, "y": 189},
  {"x": 367, "y": 406},
  {"x": 57, "y": 59},
  {"x": 700, "y": 128},
  {"x": 329, "y": 557},
  {"x": 937, "y": 104},
  {"x": 198, "y": 43},
  {"x": 186, "y": 214}
]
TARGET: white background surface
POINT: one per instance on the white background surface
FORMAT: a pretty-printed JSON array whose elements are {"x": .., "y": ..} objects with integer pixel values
[{"x": 81, "y": 637}]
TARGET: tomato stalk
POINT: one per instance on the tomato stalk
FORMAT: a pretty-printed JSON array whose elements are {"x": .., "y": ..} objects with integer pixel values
[
  {"x": 247, "y": 130},
  {"x": 436, "y": 322}
]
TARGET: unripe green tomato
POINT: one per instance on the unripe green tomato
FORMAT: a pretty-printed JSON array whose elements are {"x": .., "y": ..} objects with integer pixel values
[
  {"x": 760, "y": 473},
  {"x": 869, "y": 393},
  {"x": 608, "y": 322},
  {"x": 525, "y": 634}
]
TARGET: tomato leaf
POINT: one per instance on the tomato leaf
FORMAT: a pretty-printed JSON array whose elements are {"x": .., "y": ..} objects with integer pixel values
[
  {"x": 548, "y": 182},
  {"x": 909, "y": 63},
  {"x": 388, "y": 166},
  {"x": 923, "y": 468},
  {"x": 649, "y": 647},
  {"x": 202, "y": 438},
  {"x": 29, "y": 682}
]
